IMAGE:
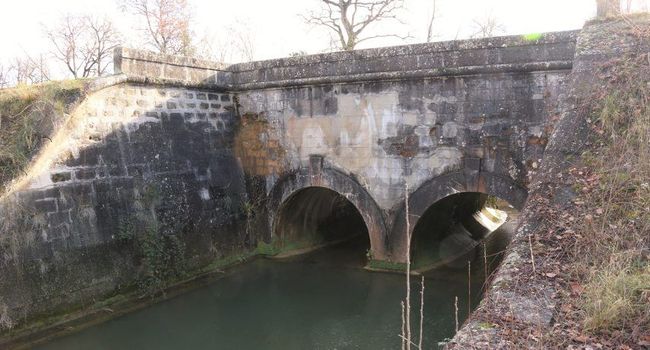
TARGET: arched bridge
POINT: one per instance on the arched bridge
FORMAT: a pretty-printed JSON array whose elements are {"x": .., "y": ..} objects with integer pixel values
[
  {"x": 234, "y": 159},
  {"x": 470, "y": 116}
]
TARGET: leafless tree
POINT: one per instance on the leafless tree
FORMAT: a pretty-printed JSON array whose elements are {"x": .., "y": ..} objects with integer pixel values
[
  {"x": 235, "y": 43},
  {"x": 105, "y": 38},
  {"x": 71, "y": 46},
  {"x": 4, "y": 77},
  {"x": 207, "y": 47},
  {"x": 349, "y": 19},
  {"x": 28, "y": 70},
  {"x": 487, "y": 26},
  {"x": 83, "y": 44},
  {"x": 243, "y": 41},
  {"x": 431, "y": 20},
  {"x": 167, "y": 24}
]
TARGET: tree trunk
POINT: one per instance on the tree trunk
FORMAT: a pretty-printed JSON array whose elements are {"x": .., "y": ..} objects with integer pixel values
[{"x": 608, "y": 8}]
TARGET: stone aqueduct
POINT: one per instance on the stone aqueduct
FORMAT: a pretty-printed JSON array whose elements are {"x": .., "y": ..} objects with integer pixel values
[
  {"x": 190, "y": 145},
  {"x": 469, "y": 116}
]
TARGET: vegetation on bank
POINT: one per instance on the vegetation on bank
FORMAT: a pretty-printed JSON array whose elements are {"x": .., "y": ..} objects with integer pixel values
[
  {"x": 612, "y": 251},
  {"x": 29, "y": 114},
  {"x": 607, "y": 290},
  {"x": 578, "y": 274}
]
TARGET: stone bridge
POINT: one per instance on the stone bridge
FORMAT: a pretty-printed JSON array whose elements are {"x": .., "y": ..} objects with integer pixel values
[
  {"x": 470, "y": 116},
  {"x": 227, "y": 157}
]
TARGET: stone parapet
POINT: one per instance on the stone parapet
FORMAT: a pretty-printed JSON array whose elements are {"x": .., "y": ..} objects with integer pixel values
[
  {"x": 170, "y": 68},
  {"x": 543, "y": 52},
  {"x": 528, "y": 53}
]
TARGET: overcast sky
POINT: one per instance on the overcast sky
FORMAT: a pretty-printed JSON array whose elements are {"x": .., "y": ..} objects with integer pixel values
[{"x": 278, "y": 29}]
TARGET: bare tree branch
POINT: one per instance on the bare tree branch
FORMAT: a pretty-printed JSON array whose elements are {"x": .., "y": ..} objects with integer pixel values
[
  {"x": 234, "y": 43},
  {"x": 27, "y": 70},
  {"x": 487, "y": 26},
  {"x": 67, "y": 42},
  {"x": 167, "y": 28},
  {"x": 105, "y": 38},
  {"x": 348, "y": 19},
  {"x": 4, "y": 78},
  {"x": 83, "y": 44},
  {"x": 431, "y": 20}
]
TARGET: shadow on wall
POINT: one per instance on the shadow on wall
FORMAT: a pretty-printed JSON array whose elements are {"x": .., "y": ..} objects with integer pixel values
[{"x": 141, "y": 179}]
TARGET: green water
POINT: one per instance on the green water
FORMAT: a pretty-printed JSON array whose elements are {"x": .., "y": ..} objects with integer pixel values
[{"x": 321, "y": 301}]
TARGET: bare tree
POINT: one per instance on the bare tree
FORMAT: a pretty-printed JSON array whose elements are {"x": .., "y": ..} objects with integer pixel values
[
  {"x": 4, "y": 77},
  {"x": 487, "y": 26},
  {"x": 243, "y": 41},
  {"x": 71, "y": 46},
  {"x": 167, "y": 24},
  {"x": 28, "y": 70},
  {"x": 431, "y": 20},
  {"x": 105, "y": 38},
  {"x": 235, "y": 43},
  {"x": 83, "y": 44},
  {"x": 348, "y": 19}
]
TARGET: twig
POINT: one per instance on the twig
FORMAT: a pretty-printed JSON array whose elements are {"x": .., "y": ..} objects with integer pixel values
[
  {"x": 408, "y": 267},
  {"x": 421, "y": 314},
  {"x": 485, "y": 265},
  {"x": 407, "y": 341},
  {"x": 469, "y": 288},
  {"x": 532, "y": 256},
  {"x": 403, "y": 331},
  {"x": 456, "y": 312}
]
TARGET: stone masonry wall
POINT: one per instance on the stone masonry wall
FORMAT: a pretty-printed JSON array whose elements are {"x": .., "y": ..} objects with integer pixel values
[
  {"x": 391, "y": 133},
  {"x": 409, "y": 115},
  {"x": 132, "y": 158}
]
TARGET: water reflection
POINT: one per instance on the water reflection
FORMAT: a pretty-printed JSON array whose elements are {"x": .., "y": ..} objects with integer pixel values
[{"x": 321, "y": 301}]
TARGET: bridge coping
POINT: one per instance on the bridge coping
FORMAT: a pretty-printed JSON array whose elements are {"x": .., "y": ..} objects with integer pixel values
[{"x": 518, "y": 53}]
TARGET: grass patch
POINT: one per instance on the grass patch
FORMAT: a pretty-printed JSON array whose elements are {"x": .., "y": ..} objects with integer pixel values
[
  {"x": 613, "y": 241},
  {"x": 618, "y": 297},
  {"x": 386, "y": 265}
]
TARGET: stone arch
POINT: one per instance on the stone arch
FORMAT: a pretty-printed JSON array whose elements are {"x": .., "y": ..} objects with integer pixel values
[
  {"x": 443, "y": 186},
  {"x": 341, "y": 183}
]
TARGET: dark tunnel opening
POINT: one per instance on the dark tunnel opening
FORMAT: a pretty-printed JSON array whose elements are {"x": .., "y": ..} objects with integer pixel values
[
  {"x": 316, "y": 217},
  {"x": 462, "y": 228}
]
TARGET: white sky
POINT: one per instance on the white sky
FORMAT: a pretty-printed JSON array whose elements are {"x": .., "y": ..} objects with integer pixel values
[{"x": 279, "y": 30}]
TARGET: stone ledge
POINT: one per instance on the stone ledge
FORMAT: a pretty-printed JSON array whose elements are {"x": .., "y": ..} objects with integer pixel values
[
  {"x": 406, "y": 74},
  {"x": 159, "y": 66},
  {"x": 543, "y": 52},
  {"x": 552, "y": 38}
]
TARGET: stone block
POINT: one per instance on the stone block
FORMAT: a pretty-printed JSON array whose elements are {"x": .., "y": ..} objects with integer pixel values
[
  {"x": 85, "y": 174},
  {"x": 58, "y": 218},
  {"x": 61, "y": 177},
  {"x": 46, "y": 205}
]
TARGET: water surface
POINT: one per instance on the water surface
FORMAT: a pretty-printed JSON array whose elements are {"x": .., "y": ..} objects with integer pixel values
[{"x": 321, "y": 301}]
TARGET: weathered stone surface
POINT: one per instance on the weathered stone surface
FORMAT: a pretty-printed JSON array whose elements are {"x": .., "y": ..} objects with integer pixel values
[
  {"x": 127, "y": 154},
  {"x": 391, "y": 134}
]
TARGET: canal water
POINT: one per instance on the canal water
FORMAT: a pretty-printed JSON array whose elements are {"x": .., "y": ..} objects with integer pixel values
[{"x": 324, "y": 300}]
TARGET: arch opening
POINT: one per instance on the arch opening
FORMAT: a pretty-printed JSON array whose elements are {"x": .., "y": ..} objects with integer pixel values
[
  {"x": 315, "y": 217},
  {"x": 461, "y": 228}
]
